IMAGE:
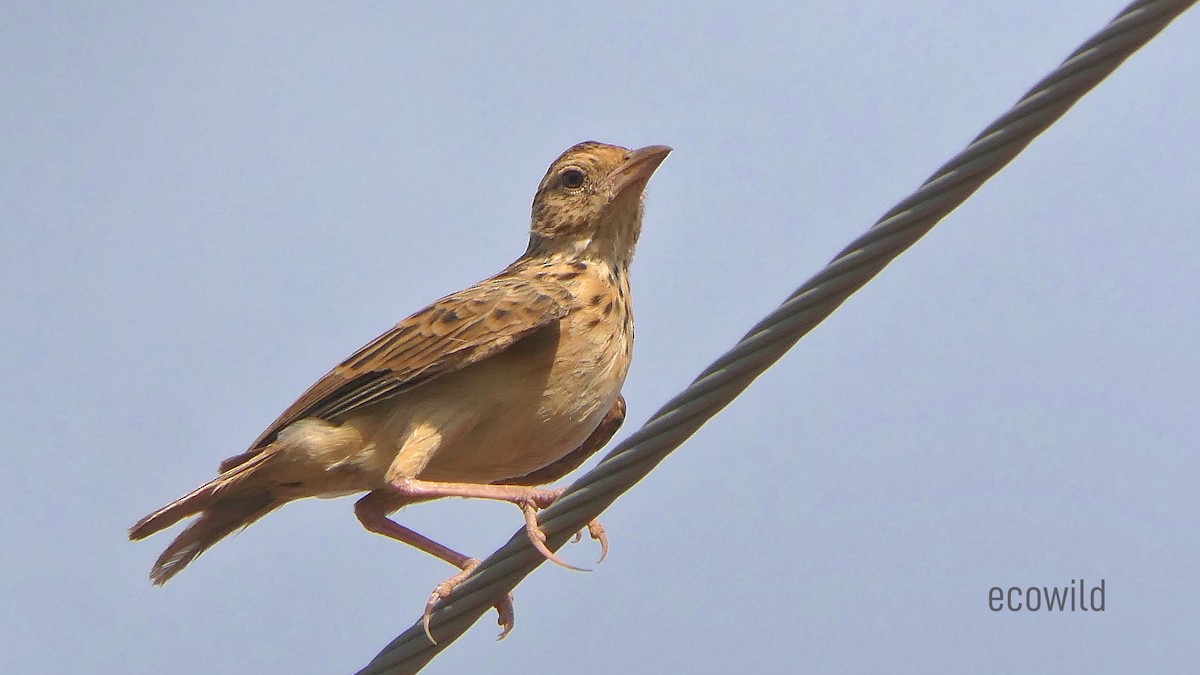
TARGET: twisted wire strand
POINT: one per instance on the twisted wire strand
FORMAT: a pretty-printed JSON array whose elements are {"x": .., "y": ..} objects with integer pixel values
[{"x": 767, "y": 341}]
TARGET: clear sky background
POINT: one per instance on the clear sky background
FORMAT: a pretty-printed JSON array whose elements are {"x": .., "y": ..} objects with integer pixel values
[{"x": 204, "y": 207}]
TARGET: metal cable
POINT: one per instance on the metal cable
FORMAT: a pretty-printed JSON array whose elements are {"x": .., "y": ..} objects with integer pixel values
[{"x": 722, "y": 381}]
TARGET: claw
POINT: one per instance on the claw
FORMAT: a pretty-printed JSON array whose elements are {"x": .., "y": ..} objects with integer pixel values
[
  {"x": 433, "y": 600},
  {"x": 538, "y": 538},
  {"x": 596, "y": 531},
  {"x": 504, "y": 608},
  {"x": 504, "y": 616}
]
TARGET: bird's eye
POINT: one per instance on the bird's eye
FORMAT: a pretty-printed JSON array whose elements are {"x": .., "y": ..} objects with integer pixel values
[{"x": 571, "y": 178}]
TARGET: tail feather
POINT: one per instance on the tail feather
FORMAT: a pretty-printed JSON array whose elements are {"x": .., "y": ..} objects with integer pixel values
[
  {"x": 195, "y": 501},
  {"x": 216, "y": 522},
  {"x": 189, "y": 505},
  {"x": 225, "y": 504}
]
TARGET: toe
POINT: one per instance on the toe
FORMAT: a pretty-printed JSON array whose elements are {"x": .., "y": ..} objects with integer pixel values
[
  {"x": 538, "y": 539},
  {"x": 504, "y": 616},
  {"x": 596, "y": 531},
  {"x": 442, "y": 591}
]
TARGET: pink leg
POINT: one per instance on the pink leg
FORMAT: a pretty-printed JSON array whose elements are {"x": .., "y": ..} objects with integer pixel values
[
  {"x": 372, "y": 516},
  {"x": 529, "y": 499}
]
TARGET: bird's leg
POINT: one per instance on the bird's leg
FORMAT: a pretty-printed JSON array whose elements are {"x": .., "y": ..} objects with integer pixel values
[
  {"x": 373, "y": 516},
  {"x": 529, "y": 499},
  {"x": 603, "y": 434}
]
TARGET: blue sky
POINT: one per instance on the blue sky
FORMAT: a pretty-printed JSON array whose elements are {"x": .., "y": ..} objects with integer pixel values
[{"x": 205, "y": 207}]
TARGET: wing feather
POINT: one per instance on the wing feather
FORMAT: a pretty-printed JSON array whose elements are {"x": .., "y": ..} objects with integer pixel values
[{"x": 451, "y": 334}]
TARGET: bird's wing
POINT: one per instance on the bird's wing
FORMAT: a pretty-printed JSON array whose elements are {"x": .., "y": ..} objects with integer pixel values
[{"x": 451, "y": 334}]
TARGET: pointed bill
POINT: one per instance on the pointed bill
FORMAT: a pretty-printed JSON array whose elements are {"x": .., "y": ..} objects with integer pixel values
[{"x": 635, "y": 171}]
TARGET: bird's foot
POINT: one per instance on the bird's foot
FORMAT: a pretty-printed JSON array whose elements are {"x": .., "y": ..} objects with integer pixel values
[
  {"x": 539, "y": 498},
  {"x": 529, "y": 499},
  {"x": 504, "y": 608}
]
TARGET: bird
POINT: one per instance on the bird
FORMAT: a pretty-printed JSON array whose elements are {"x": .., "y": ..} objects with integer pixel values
[{"x": 489, "y": 392}]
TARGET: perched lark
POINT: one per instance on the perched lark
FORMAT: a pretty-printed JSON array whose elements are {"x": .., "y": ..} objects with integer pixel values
[{"x": 488, "y": 392}]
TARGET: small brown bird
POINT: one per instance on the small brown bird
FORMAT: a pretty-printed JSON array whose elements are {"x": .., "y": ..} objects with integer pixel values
[{"x": 488, "y": 392}]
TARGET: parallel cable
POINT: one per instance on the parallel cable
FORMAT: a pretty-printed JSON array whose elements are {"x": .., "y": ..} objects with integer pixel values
[{"x": 766, "y": 342}]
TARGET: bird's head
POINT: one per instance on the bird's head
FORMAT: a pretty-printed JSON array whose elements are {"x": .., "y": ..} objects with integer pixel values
[{"x": 589, "y": 205}]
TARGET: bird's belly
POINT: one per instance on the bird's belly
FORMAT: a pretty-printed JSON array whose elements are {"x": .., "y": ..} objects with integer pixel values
[
  {"x": 525, "y": 411},
  {"x": 514, "y": 448}
]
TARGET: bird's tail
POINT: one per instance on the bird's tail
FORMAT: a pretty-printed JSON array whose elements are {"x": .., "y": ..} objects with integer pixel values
[{"x": 225, "y": 504}]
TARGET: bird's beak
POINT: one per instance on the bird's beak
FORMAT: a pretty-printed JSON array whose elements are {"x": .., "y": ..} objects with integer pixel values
[{"x": 635, "y": 171}]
